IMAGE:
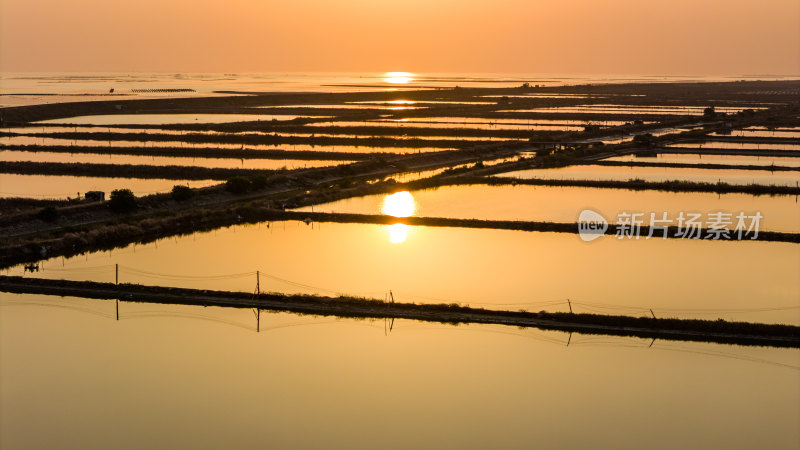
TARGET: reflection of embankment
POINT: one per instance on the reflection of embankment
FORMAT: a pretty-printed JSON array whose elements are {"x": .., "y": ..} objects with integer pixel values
[
  {"x": 710, "y": 166},
  {"x": 720, "y": 331}
]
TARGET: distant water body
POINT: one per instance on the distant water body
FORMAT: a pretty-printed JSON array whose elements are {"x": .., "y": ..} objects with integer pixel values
[{"x": 19, "y": 89}]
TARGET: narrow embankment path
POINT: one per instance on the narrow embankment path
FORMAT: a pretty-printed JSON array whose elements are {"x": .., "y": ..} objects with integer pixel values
[
  {"x": 671, "y": 232},
  {"x": 718, "y": 331}
]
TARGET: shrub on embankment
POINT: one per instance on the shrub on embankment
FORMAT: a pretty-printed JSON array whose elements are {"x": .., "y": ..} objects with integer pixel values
[
  {"x": 122, "y": 201},
  {"x": 47, "y": 214},
  {"x": 181, "y": 193}
]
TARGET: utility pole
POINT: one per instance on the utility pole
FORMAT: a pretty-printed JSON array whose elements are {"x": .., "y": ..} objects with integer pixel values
[
  {"x": 570, "y": 306},
  {"x": 258, "y": 282}
]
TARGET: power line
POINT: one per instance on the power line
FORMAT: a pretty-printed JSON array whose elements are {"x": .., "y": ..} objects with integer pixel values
[{"x": 595, "y": 307}]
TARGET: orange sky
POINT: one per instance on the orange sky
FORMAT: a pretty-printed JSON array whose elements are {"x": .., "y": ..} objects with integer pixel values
[{"x": 671, "y": 37}]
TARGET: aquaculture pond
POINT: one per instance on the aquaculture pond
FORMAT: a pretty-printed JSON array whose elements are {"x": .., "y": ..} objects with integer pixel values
[
  {"x": 479, "y": 123},
  {"x": 635, "y": 109},
  {"x": 401, "y": 124},
  {"x": 546, "y": 95},
  {"x": 160, "y": 119},
  {"x": 688, "y": 158},
  {"x": 97, "y": 141},
  {"x": 422, "y": 102},
  {"x": 736, "y": 145},
  {"x": 564, "y": 204},
  {"x": 479, "y": 267},
  {"x": 173, "y": 376},
  {"x": 617, "y": 173},
  {"x": 761, "y": 132},
  {"x": 405, "y": 177},
  {"x": 502, "y": 121},
  {"x": 88, "y": 128},
  {"x": 346, "y": 106},
  {"x": 222, "y": 163},
  {"x": 426, "y": 136},
  {"x": 197, "y": 137},
  {"x": 11, "y": 141},
  {"x": 63, "y": 186},
  {"x": 122, "y": 129},
  {"x": 510, "y": 120}
]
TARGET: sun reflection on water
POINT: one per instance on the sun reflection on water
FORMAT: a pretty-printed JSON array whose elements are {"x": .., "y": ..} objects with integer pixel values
[
  {"x": 398, "y": 233},
  {"x": 399, "y": 204},
  {"x": 398, "y": 77}
]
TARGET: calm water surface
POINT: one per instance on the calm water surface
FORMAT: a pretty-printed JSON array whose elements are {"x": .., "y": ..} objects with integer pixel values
[
  {"x": 223, "y": 163},
  {"x": 172, "y": 376},
  {"x": 419, "y": 124},
  {"x": 756, "y": 132},
  {"x": 736, "y": 145},
  {"x": 169, "y": 376},
  {"x": 44, "y": 141},
  {"x": 63, "y": 186},
  {"x": 753, "y": 281},
  {"x": 159, "y": 119},
  {"x": 633, "y": 109},
  {"x": 29, "y": 88},
  {"x": 564, "y": 204},
  {"x": 684, "y": 158},
  {"x": 731, "y": 176}
]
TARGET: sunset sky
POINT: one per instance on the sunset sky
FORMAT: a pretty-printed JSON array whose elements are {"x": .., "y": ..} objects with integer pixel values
[{"x": 675, "y": 37}]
